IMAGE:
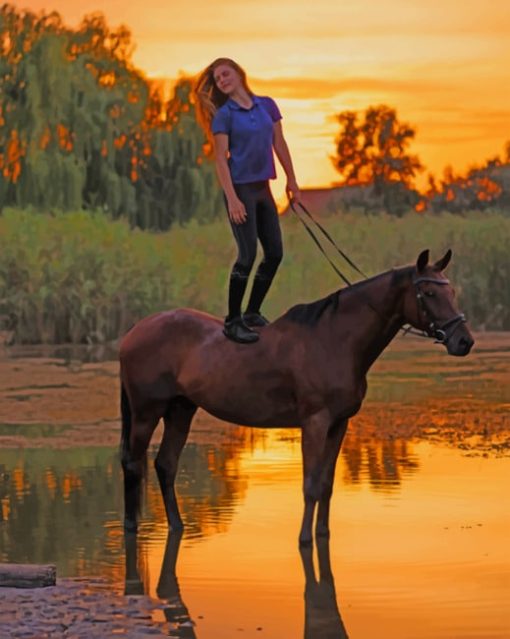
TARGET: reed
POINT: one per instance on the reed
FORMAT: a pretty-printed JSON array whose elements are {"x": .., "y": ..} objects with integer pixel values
[{"x": 81, "y": 277}]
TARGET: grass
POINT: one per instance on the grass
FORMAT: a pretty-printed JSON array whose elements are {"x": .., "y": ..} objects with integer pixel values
[{"x": 80, "y": 277}]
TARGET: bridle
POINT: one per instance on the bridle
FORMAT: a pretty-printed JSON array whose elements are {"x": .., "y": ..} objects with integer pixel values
[{"x": 441, "y": 332}]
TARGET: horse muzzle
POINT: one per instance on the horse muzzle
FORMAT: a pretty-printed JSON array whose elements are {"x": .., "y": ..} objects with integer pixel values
[{"x": 460, "y": 343}]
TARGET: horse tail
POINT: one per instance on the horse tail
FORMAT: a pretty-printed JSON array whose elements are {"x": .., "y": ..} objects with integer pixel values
[
  {"x": 125, "y": 411},
  {"x": 125, "y": 450}
]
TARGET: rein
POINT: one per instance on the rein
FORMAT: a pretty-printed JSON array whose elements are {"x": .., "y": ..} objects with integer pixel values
[
  {"x": 434, "y": 330},
  {"x": 331, "y": 241}
]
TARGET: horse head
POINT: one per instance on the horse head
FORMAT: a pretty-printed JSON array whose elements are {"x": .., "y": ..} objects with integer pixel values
[{"x": 430, "y": 306}]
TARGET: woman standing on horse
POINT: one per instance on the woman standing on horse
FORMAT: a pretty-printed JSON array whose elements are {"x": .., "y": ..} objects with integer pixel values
[{"x": 243, "y": 129}]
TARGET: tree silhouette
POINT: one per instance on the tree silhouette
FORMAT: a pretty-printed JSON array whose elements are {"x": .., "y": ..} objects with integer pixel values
[
  {"x": 478, "y": 189},
  {"x": 372, "y": 150}
]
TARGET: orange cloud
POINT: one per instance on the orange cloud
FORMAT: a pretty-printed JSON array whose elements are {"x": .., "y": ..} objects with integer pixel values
[
  {"x": 316, "y": 88},
  {"x": 442, "y": 65}
]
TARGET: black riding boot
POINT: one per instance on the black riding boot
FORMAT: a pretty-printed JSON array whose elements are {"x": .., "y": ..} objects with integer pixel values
[
  {"x": 234, "y": 327},
  {"x": 252, "y": 318},
  {"x": 236, "y": 330}
]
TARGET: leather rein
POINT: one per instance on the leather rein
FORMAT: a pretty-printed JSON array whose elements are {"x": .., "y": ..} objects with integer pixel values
[{"x": 441, "y": 332}]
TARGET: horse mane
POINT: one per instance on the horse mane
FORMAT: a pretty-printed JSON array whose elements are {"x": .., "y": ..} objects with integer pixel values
[{"x": 310, "y": 313}]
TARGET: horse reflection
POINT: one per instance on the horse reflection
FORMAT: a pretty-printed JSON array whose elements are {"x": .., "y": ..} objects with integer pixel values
[
  {"x": 176, "y": 612},
  {"x": 133, "y": 584},
  {"x": 322, "y": 617}
]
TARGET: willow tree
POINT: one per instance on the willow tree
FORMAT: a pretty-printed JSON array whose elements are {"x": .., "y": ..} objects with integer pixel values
[
  {"x": 176, "y": 171},
  {"x": 69, "y": 97},
  {"x": 77, "y": 126}
]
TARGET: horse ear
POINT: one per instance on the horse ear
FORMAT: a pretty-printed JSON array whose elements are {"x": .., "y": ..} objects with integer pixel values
[
  {"x": 422, "y": 261},
  {"x": 441, "y": 264}
]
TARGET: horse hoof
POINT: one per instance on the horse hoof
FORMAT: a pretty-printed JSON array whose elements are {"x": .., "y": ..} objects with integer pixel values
[{"x": 130, "y": 525}]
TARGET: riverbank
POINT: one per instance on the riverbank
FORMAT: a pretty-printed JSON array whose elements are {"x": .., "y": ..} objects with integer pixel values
[
  {"x": 419, "y": 504},
  {"x": 66, "y": 397},
  {"x": 78, "y": 609}
]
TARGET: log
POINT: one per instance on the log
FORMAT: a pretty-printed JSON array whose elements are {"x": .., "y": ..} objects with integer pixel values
[{"x": 27, "y": 575}]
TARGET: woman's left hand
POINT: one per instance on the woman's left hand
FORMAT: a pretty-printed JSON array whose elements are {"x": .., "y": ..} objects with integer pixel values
[{"x": 293, "y": 192}]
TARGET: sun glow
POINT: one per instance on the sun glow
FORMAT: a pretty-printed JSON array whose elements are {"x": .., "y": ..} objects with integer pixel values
[{"x": 443, "y": 66}]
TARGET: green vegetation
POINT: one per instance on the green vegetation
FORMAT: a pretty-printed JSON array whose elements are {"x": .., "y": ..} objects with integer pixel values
[
  {"x": 82, "y": 131},
  {"x": 80, "y": 277},
  {"x": 480, "y": 269},
  {"x": 81, "y": 127}
]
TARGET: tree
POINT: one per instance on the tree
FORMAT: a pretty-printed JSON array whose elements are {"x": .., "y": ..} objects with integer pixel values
[
  {"x": 479, "y": 189},
  {"x": 81, "y": 127},
  {"x": 506, "y": 159},
  {"x": 182, "y": 181},
  {"x": 373, "y": 150}
]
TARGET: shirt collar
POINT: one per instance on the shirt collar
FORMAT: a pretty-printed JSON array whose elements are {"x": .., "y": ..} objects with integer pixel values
[{"x": 237, "y": 107}]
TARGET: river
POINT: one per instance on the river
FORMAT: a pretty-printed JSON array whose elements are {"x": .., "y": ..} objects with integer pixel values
[{"x": 420, "y": 514}]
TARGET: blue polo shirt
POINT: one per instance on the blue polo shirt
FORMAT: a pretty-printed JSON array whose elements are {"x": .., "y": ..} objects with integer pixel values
[{"x": 250, "y": 137}]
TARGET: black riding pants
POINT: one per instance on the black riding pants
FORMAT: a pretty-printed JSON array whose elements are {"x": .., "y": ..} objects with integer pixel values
[{"x": 262, "y": 223}]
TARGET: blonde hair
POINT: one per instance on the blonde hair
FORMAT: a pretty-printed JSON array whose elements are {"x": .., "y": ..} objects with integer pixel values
[{"x": 208, "y": 98}]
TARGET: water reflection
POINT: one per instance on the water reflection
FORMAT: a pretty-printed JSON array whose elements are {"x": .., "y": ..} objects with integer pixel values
[
  {"x": 322, "y": 617},
  {"x": 418, "y": 524},
  {"x": 133, "y": 583},
  {"x": 383, "y": 463},
  {"x": 175, "y": 610},
  {"x": 50, "y": 508},
  {"x": 64, "y": 506}
]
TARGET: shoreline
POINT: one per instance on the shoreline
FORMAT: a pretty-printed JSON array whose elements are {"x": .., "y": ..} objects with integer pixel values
[{"x": 79, "y": 608}]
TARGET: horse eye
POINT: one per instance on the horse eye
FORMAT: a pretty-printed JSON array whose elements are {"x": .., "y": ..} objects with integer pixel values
[{"x": 429, "y": 293}]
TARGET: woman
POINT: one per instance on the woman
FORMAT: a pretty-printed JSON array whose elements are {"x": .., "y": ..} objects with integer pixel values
[{"x": 243, "y": 128}]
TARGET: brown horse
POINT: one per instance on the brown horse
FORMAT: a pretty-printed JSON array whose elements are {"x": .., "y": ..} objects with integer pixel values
[{"x": 308, "y": 369}]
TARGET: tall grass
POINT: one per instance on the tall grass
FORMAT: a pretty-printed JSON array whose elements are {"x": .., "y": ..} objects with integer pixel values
[
  {"x": 79, "y": 277},
  {"x": 480, "y": 268}
]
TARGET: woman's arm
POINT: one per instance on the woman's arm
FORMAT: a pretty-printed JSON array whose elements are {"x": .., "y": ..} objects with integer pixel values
[
  {"x": 236, "y": 209},
  {"x": 283, "y": 154}
]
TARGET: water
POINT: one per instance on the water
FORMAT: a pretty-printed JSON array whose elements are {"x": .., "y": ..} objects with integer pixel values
[{"x": 419, "y": 518}]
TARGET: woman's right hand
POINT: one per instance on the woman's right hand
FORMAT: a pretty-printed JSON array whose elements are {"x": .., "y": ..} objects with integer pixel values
[{"x": 236, "y": 211}]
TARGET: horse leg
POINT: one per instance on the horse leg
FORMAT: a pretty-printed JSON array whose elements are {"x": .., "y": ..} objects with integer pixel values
[
  {"x": 333, "y": 445},
  {"x": 313, "y": 445},
  {"x": 133, "y": 584},
  {"x": 134, "y": 464},
  {"x": 177, "y": 424}
]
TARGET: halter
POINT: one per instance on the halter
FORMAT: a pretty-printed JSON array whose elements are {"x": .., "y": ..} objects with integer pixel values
[{"x": 434, "y": 329}]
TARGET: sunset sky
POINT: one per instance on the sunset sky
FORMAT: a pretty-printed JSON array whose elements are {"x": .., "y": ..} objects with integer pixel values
[{"x": 443, "y": 64}]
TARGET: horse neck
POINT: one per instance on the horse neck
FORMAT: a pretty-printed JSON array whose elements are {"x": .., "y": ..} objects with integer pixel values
[{"x": 375, "y": 310}]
